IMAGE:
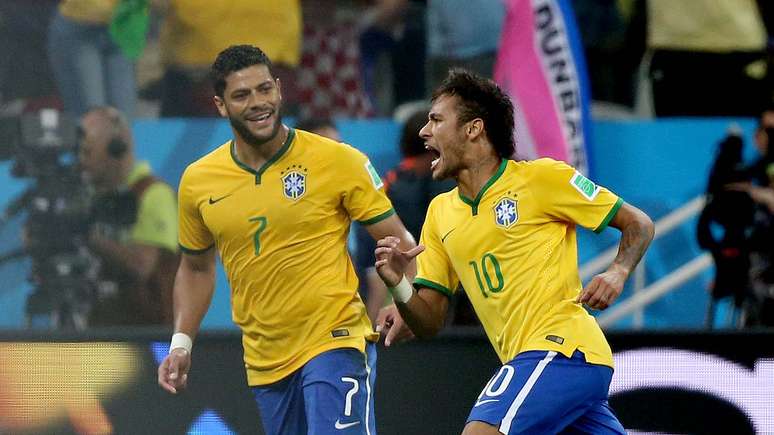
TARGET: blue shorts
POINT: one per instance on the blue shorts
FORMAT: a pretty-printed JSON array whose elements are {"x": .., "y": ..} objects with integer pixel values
[
  {"x": 542, "y": 392},
  {"x": 333, "y": 393}
]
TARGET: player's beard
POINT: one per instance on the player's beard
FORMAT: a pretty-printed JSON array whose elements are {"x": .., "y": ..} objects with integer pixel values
[{"x": 251, "y": 139}]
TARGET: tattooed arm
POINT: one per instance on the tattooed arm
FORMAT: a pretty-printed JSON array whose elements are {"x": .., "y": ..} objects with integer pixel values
[{"x": 636, "y": 233}]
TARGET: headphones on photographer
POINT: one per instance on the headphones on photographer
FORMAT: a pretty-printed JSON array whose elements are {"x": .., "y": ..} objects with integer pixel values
[{"x": 117, "y": 147}]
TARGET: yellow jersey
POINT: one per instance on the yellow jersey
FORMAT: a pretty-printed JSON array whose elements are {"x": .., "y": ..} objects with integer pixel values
[
  {"x": 88, "y": 11},
  {"x": 514, "y": 250},
  {"x": 281, "y": 232}
]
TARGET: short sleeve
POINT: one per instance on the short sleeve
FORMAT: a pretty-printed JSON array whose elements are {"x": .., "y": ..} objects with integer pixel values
[
  {"x": 566, "y": 194},
  {"x": 364, "y": 196},
  {"x": 434, "y": 269},
  {"x": 194, "y": 236},
  {"x": 156, "y": 220}
]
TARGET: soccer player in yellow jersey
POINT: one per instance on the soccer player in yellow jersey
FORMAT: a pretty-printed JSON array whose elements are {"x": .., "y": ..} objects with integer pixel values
[
  {"x": 278, "y": 203},
  {"x": 507, "y": 233}
]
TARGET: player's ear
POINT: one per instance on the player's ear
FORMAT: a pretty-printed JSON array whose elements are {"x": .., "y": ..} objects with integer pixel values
[
  {"x": 221, "y": 105},
  {"x": 475, "y": 127},
  {"x": 279, "y": 87}
]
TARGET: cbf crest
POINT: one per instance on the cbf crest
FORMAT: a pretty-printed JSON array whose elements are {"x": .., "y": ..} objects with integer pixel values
[
  {"x": 294, "y": 181},
  {"x": 506, "y": 212}
]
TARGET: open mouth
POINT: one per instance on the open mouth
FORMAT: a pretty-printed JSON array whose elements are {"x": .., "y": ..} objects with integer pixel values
[
  {"x": 260, "y": 117},
  {"x": 436, "y": 154}
]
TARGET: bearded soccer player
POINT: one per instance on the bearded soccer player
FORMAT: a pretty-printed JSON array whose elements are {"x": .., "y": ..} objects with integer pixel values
[
  {"x": 278, "y": 204},
  {"x": 507, "y": 233}
]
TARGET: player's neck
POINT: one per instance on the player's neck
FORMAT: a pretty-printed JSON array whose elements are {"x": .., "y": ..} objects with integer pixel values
[
  {"x": 256, "y": 156},
  {"x": 475, "y": 175}
]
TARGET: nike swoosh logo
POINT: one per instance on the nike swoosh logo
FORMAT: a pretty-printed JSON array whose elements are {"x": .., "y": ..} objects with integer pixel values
[
  {"x": 447, "y": 234},
  {"x": 339, "y": 425},
  {"x": 213, "y": 201},
  {"x": 481, "y": 402}
]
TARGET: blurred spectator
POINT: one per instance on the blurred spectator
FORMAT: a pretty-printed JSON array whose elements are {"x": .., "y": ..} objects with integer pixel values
[
  {"x": 698, "y": 44},
  {"x": 134, "y": 230},
  {"x": 195, "y": 31},
  {"x": 322, "y": 126},
  {"x": 613, "y": 36},
  {"x": 26, "y": 80},
  {"x": 392, "y": 51},
  {"x": 761, "y": 191},
  {"x": 92, "y": 45},
  {"x": 458, "y": 33},
  {"x": 725, "y": 226},
  {"x": 329, "y": 83},
  {"x": 462, "y": 33},
  {"x": 410, "y": 187},
  {"x": 737, "y": 226}
]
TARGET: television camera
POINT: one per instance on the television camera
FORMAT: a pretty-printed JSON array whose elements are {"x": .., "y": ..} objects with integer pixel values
[{"x": 56, "y": 209}]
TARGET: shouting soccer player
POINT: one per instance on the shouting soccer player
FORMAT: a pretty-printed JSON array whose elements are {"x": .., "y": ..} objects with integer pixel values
[
  {"x": 278, "y": 203},
  {"x": 507, "y": 233}
]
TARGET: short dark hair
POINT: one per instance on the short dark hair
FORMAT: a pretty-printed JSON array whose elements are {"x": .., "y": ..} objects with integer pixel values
[
  {"x": 481, "y": 98},
  {"x": 235, "y": 58}
]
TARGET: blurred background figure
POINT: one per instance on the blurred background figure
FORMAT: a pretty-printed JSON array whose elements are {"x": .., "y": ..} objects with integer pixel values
[
  {"x": 408, "y": 46},
  {"x": 23, "y": 36},
  {"x": 737, "y": 227},
  {"x": 613, "y": 36},
  {"x": 410, "y": 187},
  {"x": 193, "y": 32},
  {"x": 462, "y": 33},
  {"x": 693, "y": 52},
  {"x": 393, "y": 48},
  {"x": 133, "y": 233},
  {"x": 92, "y": 47},
  {"x": 322, "y": 126},
  {"x": 725, "y": 227},
  {"x": 761, "y": 191}
]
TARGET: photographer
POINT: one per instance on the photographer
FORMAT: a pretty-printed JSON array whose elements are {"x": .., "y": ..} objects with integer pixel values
[
  {"x": 740, "y": 206},
  {"x": 761, "y": 192},
  {"x": 134, "y": 229},
  {"x": 732, "y": 214}
]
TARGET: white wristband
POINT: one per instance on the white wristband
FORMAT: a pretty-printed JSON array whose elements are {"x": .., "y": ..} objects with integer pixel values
[
  {"x": 402, "y": 292},
  {"x": 180, "y": 340}
]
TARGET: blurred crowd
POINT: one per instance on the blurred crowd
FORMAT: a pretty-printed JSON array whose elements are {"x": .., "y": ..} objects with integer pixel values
[
  {"x": 363, "y": 58},
  {"x": 151, "y": 57}
]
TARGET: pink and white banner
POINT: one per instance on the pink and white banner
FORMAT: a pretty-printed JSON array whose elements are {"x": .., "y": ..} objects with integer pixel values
[{"x": 540, "y": 64}]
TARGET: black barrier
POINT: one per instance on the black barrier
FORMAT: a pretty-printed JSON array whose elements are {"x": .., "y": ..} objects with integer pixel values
[{"x": 698, "y": 383}]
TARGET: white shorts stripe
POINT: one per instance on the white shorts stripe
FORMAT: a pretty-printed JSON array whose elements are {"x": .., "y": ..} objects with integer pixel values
[
  {"x": 368, "y": 394},
  {"x": 505, "y": 425}
]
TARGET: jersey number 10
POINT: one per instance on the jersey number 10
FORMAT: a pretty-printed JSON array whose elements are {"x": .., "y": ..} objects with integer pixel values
[{"x": 484, "y": 268}]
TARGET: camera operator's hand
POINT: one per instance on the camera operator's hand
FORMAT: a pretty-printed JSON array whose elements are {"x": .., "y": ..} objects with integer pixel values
[
  {"x": 173, "y": 371},
  {"x": 761, "y": 195}
]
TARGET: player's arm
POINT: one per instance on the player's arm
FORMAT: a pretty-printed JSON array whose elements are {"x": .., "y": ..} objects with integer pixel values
[
  {"x": 192, "y": 294},
  {"x": 194, "y": 286},
  {"x": 393, "y": 226},
  {"x": 424, "y": 311},
  {"x": 637, "y": 231}
]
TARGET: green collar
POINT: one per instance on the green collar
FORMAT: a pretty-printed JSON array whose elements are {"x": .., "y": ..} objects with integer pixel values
[
  {"x": 265, "y": 166},
  {"x": 473, "y": 203}
]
